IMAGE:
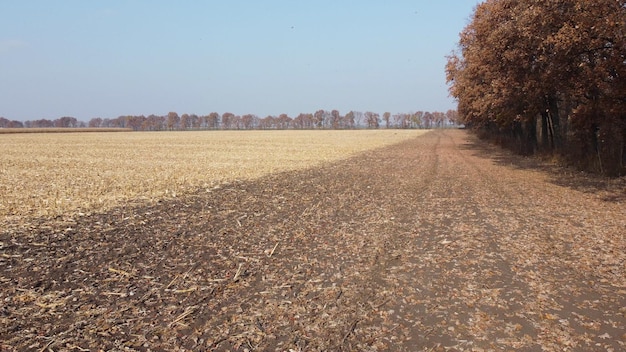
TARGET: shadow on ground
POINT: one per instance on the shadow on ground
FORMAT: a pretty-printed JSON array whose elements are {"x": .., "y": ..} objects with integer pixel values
[{"x": 607, "y": 189}]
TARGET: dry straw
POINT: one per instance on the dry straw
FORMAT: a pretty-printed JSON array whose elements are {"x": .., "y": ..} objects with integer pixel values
[{"x": 53, "y": 174}]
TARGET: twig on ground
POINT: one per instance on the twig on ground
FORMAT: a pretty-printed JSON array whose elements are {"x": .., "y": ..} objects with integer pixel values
[
  {"x": 188, "y": 311},
  {"x": 117, "y": 271},
  {"x": 273, "y": 249},
  {"x": 350, "y": 331},
  {"x": 236, "y": 277}
]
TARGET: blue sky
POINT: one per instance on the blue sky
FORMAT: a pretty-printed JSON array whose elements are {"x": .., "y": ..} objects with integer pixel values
[{"x": 109, "y": 58}]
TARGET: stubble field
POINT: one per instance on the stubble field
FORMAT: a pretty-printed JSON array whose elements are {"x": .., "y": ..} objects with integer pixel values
[
  {"x": 50, "y": 174},
  {"x": 435, "y": 243}
]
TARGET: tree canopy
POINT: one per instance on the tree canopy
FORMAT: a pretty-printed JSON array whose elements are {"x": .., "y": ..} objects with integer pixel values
[{"x": 546, "y": 75}]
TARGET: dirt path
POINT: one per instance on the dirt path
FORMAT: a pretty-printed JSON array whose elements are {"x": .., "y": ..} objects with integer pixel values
[{"x": 432, "y": 244}]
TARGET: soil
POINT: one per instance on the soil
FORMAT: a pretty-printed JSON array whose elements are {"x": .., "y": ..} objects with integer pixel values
[{"x": 440, "y": 243}]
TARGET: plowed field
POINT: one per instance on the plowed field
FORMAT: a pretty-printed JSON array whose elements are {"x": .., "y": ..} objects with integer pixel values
[{"x": 440, "y": 242}]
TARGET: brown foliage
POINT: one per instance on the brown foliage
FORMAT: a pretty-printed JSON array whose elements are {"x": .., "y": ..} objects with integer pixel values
[{"x": 560, "y": 62}]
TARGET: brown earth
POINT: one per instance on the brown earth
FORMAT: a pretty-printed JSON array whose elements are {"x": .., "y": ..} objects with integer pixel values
[{"x": 438, "y": 243}]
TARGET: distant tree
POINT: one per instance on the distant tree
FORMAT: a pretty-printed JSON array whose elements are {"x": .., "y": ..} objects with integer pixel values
[
  {"x": 43, "y": 123},
  {"x": 236, "y": 122},
  {"x": 155, "y": 123},
  {"x": 6, "y": 123},
  {"x": 118, "y": 122},
  {"x": 227, "y": 120},
  {"x": 66, "y": 122},
  {"x": 419, "y": 119},
  {"x": 335, "y": 120},
  {"x": 284, "y": 121},
  {"x": 185, "y": 122},
  {"x": 401, "y": 120},
  {"x": 349, "y": 120},
  {"x": 359, "y": 118},
  {"x": 387, "y": 119},
  {"x": 249, "y": 121},
  {"x": 438, "y": 119},
  {"x": 298, "y": 122},
  {"x": 266, "y": 123},
  {"x": 309, "y": 120},
  {"x": 371, "y": 119},
  {"x": 303, "y": 121},
  {"x": 212, "y": 121},
  {"x": 15, "y": 124},
  {"x": 452, "y": 116},
  {"x": 428, "y": 119},
  {"x": 173, "y": 121},
  {"x": 196, "y": 121},
  {"x": 95, "y": 122},
  {"x": 135, "y": 122},
  {"x": 318, "y": 118}
]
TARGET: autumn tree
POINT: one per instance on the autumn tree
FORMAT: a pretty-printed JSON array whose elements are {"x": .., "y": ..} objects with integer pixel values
[
  {"x": 419, "y": 119},
  {"x": 212, "y": 121},
  {"x": 546, "y": 74},
  {"x": 299, "y": 121},
  {"x": 173, "y": 121},
  {"x": 155, "y": 123},
  {"x": 65, "y": 122},
  {"x": 452, "y": 116},
  {"x": 236, "y": 122},
  {"x": 249, "y": 121},
  {"x": 42, "y": 123},
  {"x": 266, "y": 123},
  {"x": 227, "y": 120},
  {"x": 349, "y": 120},
  {"x": 401, "y": 120},
  {"x": 335, "y": 119},
  {"x": 372, "y": 119},
  {"x": 303, "y": 121},
  {"x": 185, "y": 122},
  {"x": 387, "y": 119},
  {"x": 318, "y": 118},
  {"x": 135, "y": 122},
  {"x": 358, "y": 118},
  {"x": 95, "y": 122},
  {"x": 6, "y": 123},
  {"x": 283, "y": 121}
]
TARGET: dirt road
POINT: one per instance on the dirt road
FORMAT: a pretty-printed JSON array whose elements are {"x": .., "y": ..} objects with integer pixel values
[{"x": 438, "y": 243}]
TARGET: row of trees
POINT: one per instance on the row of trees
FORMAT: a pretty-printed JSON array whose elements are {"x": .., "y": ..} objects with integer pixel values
[
  {"x": 546, "y": 75},
  {"x": 321, "y": 119},
  {"x": 65, "y": 122}
]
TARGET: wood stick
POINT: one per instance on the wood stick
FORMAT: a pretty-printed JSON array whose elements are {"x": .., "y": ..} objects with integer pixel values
[
  {"x": 121, "y": 272},
  {"x": 236, "y": 277},
  {"x": 349, "y": 331},
  {"x": 272, "y": 252},
  {"x": 186, "y": 313}
]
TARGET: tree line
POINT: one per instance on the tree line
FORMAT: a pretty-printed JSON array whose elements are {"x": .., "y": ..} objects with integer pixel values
[
  {"x": 321, "y": 119},
  {"x": 546, "y": 76}
]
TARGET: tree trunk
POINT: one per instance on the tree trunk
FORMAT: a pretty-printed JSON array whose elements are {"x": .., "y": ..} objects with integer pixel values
[
  {"x": 610, "y": 146},
  {"x": 545, "y": 138},
  {"x": 555, "y": 119},
  {"x": 530, "y": 132}
]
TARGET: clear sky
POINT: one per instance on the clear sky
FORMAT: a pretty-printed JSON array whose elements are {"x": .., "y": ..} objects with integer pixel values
[{"x": 109, "y": 58}]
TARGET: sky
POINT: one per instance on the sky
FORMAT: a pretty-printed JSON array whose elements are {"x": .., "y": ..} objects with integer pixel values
[{"x": 106, "y": 59}]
